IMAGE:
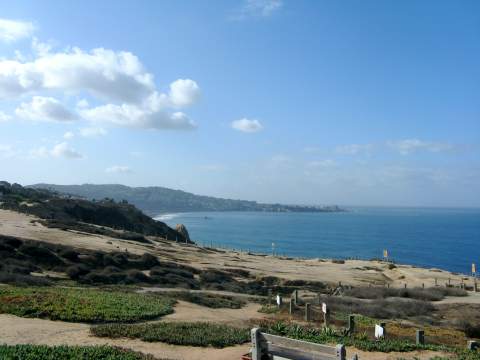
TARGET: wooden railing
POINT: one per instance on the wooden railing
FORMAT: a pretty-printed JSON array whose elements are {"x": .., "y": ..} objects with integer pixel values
[{"x": 271, "y": 346}]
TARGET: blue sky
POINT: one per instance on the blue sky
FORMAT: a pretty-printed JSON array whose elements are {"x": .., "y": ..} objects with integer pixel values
[{"x": 311, "y": 102}]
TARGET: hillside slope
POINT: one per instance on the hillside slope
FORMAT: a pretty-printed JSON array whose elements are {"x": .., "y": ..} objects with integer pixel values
[
  {"x": 80, "y": 214},
  {"x": 159, "y": 199}
]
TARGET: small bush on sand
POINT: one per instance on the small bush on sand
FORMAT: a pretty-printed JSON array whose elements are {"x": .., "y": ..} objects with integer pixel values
[
  {"x": 82, "y": 305},
  {"x": 42, "y": 352},
  {"x": 177, "y": 333}
]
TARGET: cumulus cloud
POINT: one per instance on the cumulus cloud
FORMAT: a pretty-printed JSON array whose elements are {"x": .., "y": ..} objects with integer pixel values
[
  {"x": 118, "y": 169},
  {"x": 44, "y": 109},
  {"x": 68, "y": 135},
  {"x": 117, "y": 76},
  {"x": 409, "y": 146},
  {"x": 13, "y": 30},
  {"x": 353, "y": 149},
  {"x": 63, "y": 150},
  {"x": 247, "y": 125},
  {"x": 142, "y": 117},
  {"x": 257, "y": 9},
  {"x": 184, "y": 92},
  {"x": 93, "y": 132},
  {"x": 4, "y": 117}
]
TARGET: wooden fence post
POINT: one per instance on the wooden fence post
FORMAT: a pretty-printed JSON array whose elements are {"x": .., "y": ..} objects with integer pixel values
[
  {"x": 279, "y": 301},
  {"x": 269, "y": 296},
  {"x": 295, "y": 296},
  {"x": 351, "y": 324},
  {"x": 307, "y": 312},
  {"x": 420, "y": 337},
  {"x": 256, "y": 344},
  {"x": 291, "y": 307},
  {"x": 384, "y": 326},
  {"x": 341, "y": 352},
  {"x": 405, "y": 285}
]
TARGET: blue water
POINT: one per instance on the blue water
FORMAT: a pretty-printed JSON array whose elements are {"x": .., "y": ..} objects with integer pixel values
[{"x": 443, "y": 238}]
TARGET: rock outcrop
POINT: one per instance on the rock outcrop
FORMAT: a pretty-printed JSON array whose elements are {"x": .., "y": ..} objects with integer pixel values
[{"x": 182, "y": 230}]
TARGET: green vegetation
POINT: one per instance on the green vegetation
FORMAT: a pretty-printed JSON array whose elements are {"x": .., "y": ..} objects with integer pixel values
[
  {"x": 159, "y": 199},
  {"x": 213, "y": 301},
  {"x": 191, "y": 334},
  {"x": 428, "y": 294},
  {"x": 82, "y": 305},
  {"x": 42, "y": 352},
  {"x": 360, "y": 341}
]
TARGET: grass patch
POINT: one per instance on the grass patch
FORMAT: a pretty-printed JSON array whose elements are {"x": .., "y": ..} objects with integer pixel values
[
  {"x": 42, "y": 352},
  {"x": 209, "y": 300},
  {"x": 82, "y": 305},
  {"x": 177, "y": 333}
]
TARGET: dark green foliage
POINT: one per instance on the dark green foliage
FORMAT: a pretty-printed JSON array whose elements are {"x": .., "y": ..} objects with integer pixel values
[
  {"x": 82, "y": 305},
  {"x": 209, "y": 300},
  {"x": 380, "y": 308},
  {"x": 42, "y": 352},
  {"x": 190, "y": 334},
  {"x": 428, "y": 294}
]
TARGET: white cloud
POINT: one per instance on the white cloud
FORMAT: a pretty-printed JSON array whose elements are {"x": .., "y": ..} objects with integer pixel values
[
  {"x": 247, "y": 125},
  {"x": 93, "y": 132},
  {"x": 82, "y": 104},
  {"x": 353, "y": 149},
  {"x": 311, "y": 149},
  {"x": 12, "y": 30},
  {"x": 319, "y": 164},
  {"x": 409, "y": 146},
  {"x": 184, "y": 92},
  {"x": 257, "y": 9},
  {"x": 118, "y": 169},
  {"x": 63, "y": 150},
  {"x": 68, "y": 135},
  {"x": 134, "y": 116},
  {"x": 117, "y": 76},
  {"x": 4, "y": 117},
  {"x": 44, "y": 109}
]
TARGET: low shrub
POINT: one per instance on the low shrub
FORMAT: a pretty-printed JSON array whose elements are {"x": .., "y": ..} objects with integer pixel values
[
  {"x": 177, "y": 333},
  {"x": 213, "y": 301},
  {"x": 43, "y": 352},
  {"x": 427, "y": 294},
  {"x": 82, "y": 305}
]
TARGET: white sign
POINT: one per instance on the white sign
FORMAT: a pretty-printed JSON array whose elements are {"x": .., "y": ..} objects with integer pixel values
[
  {"x": 378, "y": 331},
  {"x": 324, "y": 308},
  {"x": 279, "y": 301}
]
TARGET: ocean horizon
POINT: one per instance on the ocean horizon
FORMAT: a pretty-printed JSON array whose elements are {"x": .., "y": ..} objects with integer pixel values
[{"x": 445, "y": 238}]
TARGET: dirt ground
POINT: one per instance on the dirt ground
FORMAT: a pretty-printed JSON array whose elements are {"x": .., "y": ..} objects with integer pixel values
[{"x": 352, "y": 272}]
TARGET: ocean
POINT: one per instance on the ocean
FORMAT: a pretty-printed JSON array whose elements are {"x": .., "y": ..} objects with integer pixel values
[{"x": 427, "y": 237}]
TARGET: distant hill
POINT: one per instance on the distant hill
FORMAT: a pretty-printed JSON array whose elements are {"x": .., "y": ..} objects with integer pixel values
[
  {"x": 84, "y": 215},
  {"x": 155, "y": 200}
]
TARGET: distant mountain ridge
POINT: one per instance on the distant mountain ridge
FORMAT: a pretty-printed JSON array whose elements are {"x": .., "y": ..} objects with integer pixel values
[{"x": 155, "y": 199}]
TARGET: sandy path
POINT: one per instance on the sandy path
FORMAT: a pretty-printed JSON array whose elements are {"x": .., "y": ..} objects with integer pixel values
[{"x": 185, "y": 311}]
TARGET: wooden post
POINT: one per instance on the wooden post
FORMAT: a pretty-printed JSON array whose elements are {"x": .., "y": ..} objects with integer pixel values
[
  {"x": 256, "y": 344},
  {"x": 295, "y": 296},
  {"x": 279, "y": 300},
  {"x": 307, "y": 312},
  {"x": 423, "y": 285},
  {"x": 341, "y": 352},
  {"x": 420, "y": 337},
  {"x": 384, "y": 326},
  {"x": 388, "y": 285},
  {"x": 436, "y": 283},
  {"x": 405, "y": 285},
  {"x": 473, "y": 345},
  {"x": 269, "y": 296},
  {"x": 291, "y": 307},
  {"x": 351, "y": 324}
]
